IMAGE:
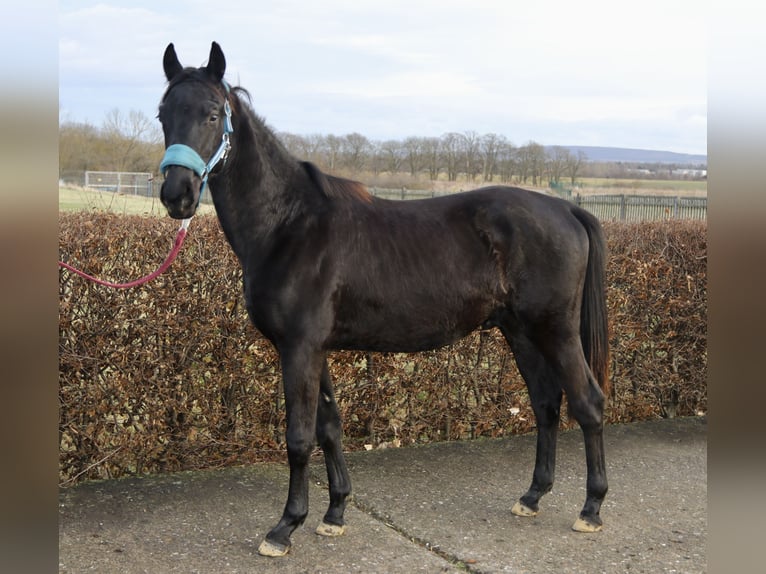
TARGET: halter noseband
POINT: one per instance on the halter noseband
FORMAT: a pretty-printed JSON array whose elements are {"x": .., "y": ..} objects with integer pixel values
[{"x": 185, "y": 156}]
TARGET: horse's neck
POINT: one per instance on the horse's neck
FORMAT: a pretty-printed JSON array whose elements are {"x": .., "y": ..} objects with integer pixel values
[{"x": 259, "y": 191}]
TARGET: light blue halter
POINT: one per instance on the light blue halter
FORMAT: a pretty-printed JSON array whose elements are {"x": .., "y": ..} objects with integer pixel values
[{"x": 183, "y": 155}]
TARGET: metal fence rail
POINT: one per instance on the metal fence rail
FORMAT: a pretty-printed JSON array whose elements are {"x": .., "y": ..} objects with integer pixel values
[{"x": 134, "y": 183}]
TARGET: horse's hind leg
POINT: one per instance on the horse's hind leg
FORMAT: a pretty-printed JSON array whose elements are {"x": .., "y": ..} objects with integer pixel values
[
  {"x": 586, "y": 405},
  {"x": 329, "y": 433},
  {"x": 549, "y": 365},
  {"x": 545, "y": 396}
]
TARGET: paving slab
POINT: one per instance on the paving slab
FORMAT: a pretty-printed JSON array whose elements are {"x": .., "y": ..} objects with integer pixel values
[
  {"x": 436, "y": 508},
  {"x": 456, "y": 498},
  {"x": 212, "y": 522}
]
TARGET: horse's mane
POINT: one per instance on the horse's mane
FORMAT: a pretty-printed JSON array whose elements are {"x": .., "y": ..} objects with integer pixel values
[{"x": 337, "y": 187}]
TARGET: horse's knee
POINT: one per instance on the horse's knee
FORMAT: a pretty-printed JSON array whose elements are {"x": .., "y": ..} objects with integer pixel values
[
  {"x": 547, "y": 414},
  {"x": 329, "y": 427},
  {"x": 299, "y": 447}
]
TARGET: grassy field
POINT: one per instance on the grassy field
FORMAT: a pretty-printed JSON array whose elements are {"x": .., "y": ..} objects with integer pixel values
[
  {"x": 603, "y": 185},
  {"x": 81, "y": 199}
]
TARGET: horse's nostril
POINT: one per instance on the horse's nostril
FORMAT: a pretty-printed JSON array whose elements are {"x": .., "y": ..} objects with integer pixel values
[
  {"x": 179, "y": 192},
  {"x": 180, "y": 186}
]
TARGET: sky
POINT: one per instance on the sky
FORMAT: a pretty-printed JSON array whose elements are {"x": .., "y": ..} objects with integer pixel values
[{"x": 592, "y": 72}]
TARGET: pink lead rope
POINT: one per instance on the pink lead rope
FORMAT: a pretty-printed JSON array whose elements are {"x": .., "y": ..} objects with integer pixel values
[{"x": 180, "y": 236}]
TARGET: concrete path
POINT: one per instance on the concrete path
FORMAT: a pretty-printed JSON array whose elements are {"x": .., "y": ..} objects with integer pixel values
[{"x": 437, "y": 508}]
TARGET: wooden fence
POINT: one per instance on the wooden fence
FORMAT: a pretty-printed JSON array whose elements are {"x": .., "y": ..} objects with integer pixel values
[
  {"x": 643, "y": 207},
  {"x": 404, "y": 193}
]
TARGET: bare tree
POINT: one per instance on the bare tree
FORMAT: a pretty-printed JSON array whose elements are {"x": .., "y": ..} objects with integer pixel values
[
  {"x": 574, "y": 163},
  {"x": 558, "y": 159},
  {"x": 126, "y": 134},
  {"x": 432, "y": 157},
  {"x": 313, "y": 147},
  {"x": 507, "y": 160},
  {"x": 451, "y": 149},
  {"x": 524, "y": 163},
  {"x": 470, "y": 142},
  {"x": 538, "y": 157},
  {"x": 295, "y": 144},
  {"x": 355, "y": 149},
  {"x": 392, "y": 155},
  {"x": 332, "y": 146},
  {"x": 489, "y": 146},
  {"x": 80, "y": 148},
  {"x": 414, "y": 149},
  {"x": 130, "y": 142},
  {"x": 375, "y": 158},
  {"x": 531, "y": 162}
]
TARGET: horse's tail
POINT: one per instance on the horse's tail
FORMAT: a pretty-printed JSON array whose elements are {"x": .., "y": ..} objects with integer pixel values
[{"x": 594, "y": 326}]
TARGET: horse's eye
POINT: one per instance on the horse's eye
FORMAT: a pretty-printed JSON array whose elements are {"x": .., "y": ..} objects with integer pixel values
[{"x": 213, "y": 118}]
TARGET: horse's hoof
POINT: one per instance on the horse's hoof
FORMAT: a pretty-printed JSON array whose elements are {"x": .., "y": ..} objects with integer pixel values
[
  {"x": 582, "y": 525},
  {"x": 327, "y": 529},
  {"x": 274, "y": 550},
  {"x": 520, "y": 509}
]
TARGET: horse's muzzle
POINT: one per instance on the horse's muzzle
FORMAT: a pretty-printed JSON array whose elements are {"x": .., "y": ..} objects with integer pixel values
[{"x": 180, "y": 192}]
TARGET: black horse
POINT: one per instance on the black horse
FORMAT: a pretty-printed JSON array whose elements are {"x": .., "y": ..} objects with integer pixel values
[{"x": 327, "y": 266}]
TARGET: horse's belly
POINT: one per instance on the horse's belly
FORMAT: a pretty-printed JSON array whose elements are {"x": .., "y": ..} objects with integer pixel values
[{"x": 407, "y": 326}]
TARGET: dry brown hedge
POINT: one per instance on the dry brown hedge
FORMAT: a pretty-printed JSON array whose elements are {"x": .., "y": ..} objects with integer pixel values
[{"x": 172, "y": 376}]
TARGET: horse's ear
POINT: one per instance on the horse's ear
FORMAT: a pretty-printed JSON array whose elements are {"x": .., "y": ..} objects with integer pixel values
[
  {"x": 216, "y": 65},
  {"x": 170, "y": 62}
]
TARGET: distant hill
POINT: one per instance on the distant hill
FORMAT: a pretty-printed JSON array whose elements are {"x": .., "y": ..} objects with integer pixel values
[{"x": 628, "y": 155}]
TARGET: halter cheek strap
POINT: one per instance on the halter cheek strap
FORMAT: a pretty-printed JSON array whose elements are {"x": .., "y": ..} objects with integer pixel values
[{"x": 185, "y": 156}]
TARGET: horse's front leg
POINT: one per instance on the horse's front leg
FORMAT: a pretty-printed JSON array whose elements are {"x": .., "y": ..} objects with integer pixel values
[
  {"x": 301, "y": 370},
  {"x": 329, "y": 432}
]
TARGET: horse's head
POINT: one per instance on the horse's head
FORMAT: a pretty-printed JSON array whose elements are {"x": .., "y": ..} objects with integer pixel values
[{"x": 196, "y": 121}]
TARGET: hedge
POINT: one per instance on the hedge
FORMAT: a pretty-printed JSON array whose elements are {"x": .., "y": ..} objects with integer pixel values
[{"x": 171, "y": 376}]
